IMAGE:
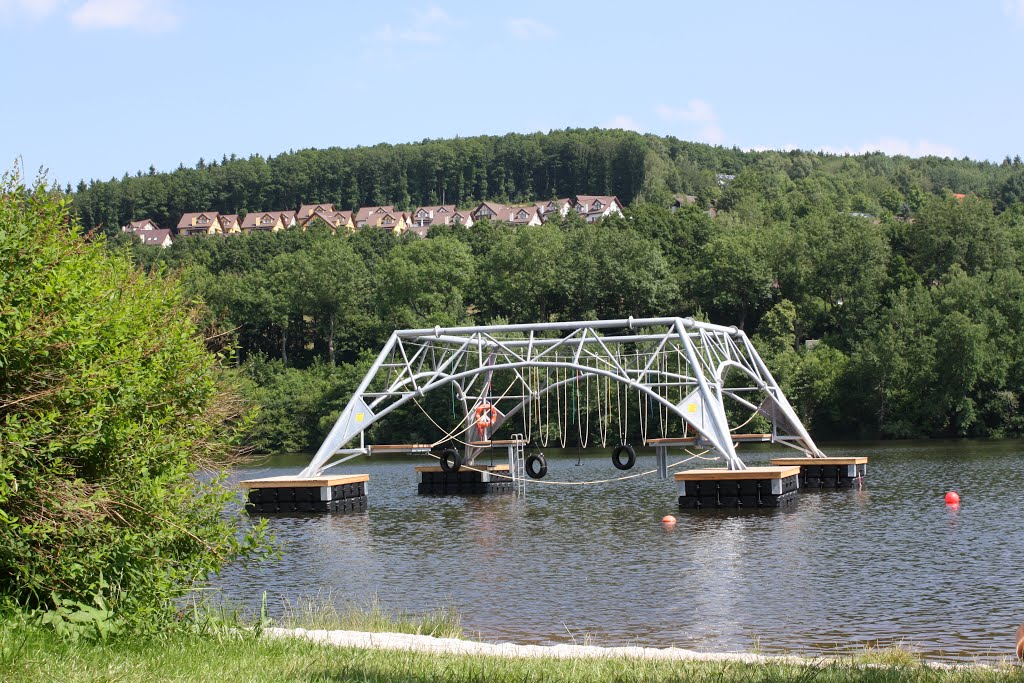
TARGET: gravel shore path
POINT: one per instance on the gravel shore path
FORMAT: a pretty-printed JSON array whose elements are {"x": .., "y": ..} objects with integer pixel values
[{"x": 405, "y": 641}]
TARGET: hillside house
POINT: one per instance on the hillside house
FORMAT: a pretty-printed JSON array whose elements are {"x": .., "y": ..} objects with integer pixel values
[
  {"x": 229, "y": 224},
  {"x": 334, "y": 220},
  {"x": 596, "y": 207},
  {"x": 195, "y": 224},
  {"x": 383, "y": 217},
  {"x": 145, "y": 225},
  {"x": 562, "y": 206},
  {"x": 445, "y": 214},
  {"x": 156, "y": 238},
  {"x": 306, "y": 211},
  {"x": 268, "y": 221},
  {"x": 489, "y": 210},
  {"x": 364, "y": 214},
  {"x": 524, "y": 215}
]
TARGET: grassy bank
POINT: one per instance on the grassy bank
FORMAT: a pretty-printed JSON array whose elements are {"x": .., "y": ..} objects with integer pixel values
[{"x": 30, "y": 654}]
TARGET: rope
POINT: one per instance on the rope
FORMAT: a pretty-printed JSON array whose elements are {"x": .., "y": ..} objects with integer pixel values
[
  {"x": 547, "y": 421},
  {"x": 584, "y": 438},
  {"x": 752, "y": 416},
  {"x": 602, "y": 425},
  {"x": 696, "y": 456},
  {"x": 562, "y": 425}
]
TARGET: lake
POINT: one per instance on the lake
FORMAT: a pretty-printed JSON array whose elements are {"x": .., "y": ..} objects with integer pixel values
[{"x": 887, "y": 564}]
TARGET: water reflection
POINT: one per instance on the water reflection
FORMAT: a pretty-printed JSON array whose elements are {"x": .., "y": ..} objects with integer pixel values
[{"x": 886, "y": 564}]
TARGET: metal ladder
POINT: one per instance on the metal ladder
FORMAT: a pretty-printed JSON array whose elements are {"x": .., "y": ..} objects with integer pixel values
[{"x": 517, "y": 464}]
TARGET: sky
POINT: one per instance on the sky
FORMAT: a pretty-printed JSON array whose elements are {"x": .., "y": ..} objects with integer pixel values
[{"x": 100, "y": 88}]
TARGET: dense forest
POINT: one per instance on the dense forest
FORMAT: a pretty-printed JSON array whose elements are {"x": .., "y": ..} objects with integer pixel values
[{"x": 886, "y": 293}]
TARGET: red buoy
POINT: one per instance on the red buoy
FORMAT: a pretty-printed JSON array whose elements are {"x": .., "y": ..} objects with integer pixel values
[{"x": 952, "y": 498}]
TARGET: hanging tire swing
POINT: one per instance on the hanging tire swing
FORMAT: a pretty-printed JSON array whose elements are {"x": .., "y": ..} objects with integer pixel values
[
  {"x": 451, "y": 461},
  {"x": 617, "y": 457},
  {"x": 536, "y": 466}
]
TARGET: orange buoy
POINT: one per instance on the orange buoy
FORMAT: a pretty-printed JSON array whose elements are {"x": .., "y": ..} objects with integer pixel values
[
  {"x": 668, "y": 519},
  {"x": 1020, "y": 641},
  {"x": 952, "y": 498}
]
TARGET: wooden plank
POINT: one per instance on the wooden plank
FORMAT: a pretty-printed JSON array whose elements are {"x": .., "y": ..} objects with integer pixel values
[
  {"x": 497, "y": 442},
  {"x": 676, "y": 441},
  {"x": 290, "y": 481},
  {"x": 468, "y": 468},
  {"x": 815, "y": 462},
  {"x": 723, "y": 474},
  {"x": 751, "y": 437},
  {"x": 692, "y": 440},
  {"x": 399, "y": 447}
]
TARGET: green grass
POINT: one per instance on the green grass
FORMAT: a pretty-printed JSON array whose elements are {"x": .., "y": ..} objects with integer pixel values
[
  {"x": 31, "y": 654},
  {"x": 322, "y": 612}
]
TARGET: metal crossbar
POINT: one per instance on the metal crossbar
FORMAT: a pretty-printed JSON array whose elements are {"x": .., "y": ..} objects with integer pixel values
[{"x": 677, "y": 366}]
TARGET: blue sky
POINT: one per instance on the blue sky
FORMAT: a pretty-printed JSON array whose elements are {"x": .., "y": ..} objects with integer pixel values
[{"x": 98, "y": 88}]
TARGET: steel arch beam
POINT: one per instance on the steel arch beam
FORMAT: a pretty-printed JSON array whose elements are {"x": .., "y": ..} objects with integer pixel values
[{"x": 415, "y": 362}]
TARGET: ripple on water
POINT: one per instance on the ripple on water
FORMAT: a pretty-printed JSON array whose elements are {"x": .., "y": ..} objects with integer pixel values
[{"x": 889, "y": 564}]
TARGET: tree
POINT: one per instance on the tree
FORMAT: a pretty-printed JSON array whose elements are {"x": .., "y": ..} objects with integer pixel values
[
  {"x": 334, "y": 287},
  {"x": 423, "y": 284},
  {"x": 111, "y": 406},
  {"x": 735, "y": 281}
]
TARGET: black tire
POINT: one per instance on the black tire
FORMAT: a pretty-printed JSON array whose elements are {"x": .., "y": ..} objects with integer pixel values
[
  {"x": 541, "y": 463},
  {"x": 451, "y": 461},
  {"x": 630, "y": 457}
]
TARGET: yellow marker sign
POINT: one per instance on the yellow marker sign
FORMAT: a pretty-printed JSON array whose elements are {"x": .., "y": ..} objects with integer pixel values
[
  {"x": 360, "y": 416},
  {"x": 691, "y": 408}
]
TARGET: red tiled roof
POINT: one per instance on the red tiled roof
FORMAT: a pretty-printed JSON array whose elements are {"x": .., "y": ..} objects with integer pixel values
[
  {"x": 187, "y": 219},
  {"x": 306, "y": 210},
  {"x": 365, "y": 211},
  {"x": 155, "y": 237},
  {"x": 144, "y": 224}
]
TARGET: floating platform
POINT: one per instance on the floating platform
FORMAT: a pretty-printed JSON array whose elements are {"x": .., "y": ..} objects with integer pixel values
[
  {"x": 827, "y": 473},
  {"x": 469, "y": 480},
  {"x": 753, "y": 487},
  {"x": 343, "y": 493}
]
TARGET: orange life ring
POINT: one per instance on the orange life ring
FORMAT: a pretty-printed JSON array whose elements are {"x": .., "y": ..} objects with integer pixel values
[{"x": 486, "y": 414}]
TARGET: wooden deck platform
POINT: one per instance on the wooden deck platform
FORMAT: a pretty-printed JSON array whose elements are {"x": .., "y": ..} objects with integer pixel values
[
  {"x": 821, "y": 462},
  {"x": 754, "y": 487},
  {"x": 723, "y": 474},
  {"x": 291, "y": 481},
  {"x": 828, "y": 473}
]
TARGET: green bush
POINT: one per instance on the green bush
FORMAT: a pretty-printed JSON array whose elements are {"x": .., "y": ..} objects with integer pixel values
[{"x": 112, "y": 415}]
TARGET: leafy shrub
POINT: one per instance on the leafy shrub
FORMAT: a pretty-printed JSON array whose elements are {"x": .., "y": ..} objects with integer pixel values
[{"x": 111, "y": 413}]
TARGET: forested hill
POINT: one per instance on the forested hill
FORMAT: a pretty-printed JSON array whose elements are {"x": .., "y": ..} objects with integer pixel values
[
  {"x": 538, "y": 166},
  {"x": 885, "y": 293}
]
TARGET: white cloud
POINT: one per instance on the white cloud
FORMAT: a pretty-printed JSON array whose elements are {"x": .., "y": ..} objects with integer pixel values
[
  {"x": 625, "y": 123},
  {"x": 37, "y": 8},
  {"x": 147, "y": 15},
  {"x": 696, "y": 113},
  {"x": 428, "y": 26},
  {"x": 900, "y": 147},
  {"x": 1015, "y": 10},
  {"x": 529, "y": 29}
]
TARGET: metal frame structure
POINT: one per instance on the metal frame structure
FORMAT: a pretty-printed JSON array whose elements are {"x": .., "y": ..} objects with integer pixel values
[{"x": 684, "y": 367}]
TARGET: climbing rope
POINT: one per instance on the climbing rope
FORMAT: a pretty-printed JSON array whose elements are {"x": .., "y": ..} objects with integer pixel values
[
  {"x": 593, "y": 482},
  {"x": 584, "y": 436}
]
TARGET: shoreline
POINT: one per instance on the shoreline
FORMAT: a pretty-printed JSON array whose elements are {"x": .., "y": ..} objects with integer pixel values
[{"x": 456, "y": 646}]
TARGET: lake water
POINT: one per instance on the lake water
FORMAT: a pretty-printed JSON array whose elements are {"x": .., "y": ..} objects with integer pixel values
[{"x": 887, "y": 564}]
